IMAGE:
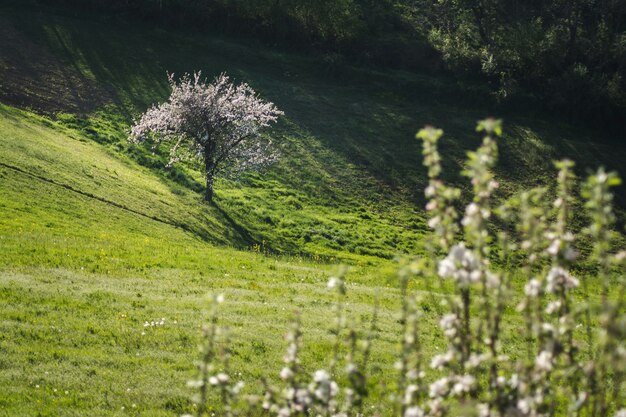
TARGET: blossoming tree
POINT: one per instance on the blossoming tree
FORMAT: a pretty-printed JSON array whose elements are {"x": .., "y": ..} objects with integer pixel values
[{"x": 217, "y": 123}]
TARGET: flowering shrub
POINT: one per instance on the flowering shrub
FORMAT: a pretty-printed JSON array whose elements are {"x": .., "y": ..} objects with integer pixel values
[{"x": 564, "y": 371}]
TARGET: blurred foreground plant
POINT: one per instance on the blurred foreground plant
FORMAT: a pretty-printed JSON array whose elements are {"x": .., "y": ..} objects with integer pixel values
[{"x": 569, "y": 369}]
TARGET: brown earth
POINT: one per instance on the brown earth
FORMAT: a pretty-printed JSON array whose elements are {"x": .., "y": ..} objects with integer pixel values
[{"x": 32, "y": 77}]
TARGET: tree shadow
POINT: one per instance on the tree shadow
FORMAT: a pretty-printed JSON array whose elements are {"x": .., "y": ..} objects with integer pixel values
[{"x": 245, "y": 238}]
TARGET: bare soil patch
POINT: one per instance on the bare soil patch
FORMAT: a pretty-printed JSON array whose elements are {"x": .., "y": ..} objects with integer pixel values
[{"x": 32, "y": 77}]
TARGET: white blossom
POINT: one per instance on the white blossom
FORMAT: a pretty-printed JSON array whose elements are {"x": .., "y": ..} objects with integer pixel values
[
  {"x": 533, "y": 288},
  {"x": 475, "y": 360},
  {"x": 439, "y": 361},
  {"x": 559, "y": 279},
  {"x": 414, "y": 412},
  {"x": 439, "y": 388},
  {"x": 449, "y": 324},
  {"x": 286, "y": 373},
  {"x": 321, "y": 376},
  {"x": 524, "y": 405},
  {"x": 493, "y": 280},
  {"x": 553, "y": 307},
  {"x": 544, "y": 361},
  {"x": 433, "y": 222},
  {"x": 483, "y": 410},
  {"x": 332, "y": 283},
  {"x": 408, "y": 393},
  {"x": 463, "y": 384},
  {"x": 461, "y": 265},
  {"x": 238, "y": 387},
  {"x": 554, "y": 247}
]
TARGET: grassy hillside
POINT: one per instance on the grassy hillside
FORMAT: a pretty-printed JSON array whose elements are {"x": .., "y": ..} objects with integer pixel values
[
  {"x": 96, "y": 238},
  {"x": 81, "y": 274},
  {"x": 350, "y": 179}
]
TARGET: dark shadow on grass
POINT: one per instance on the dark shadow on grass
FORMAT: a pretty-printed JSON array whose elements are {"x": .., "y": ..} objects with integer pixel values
[{"x": 245, "y": 238}]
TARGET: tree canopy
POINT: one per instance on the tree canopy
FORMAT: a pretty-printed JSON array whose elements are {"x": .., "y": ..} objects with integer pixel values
[{"x": 217, "y": 123}]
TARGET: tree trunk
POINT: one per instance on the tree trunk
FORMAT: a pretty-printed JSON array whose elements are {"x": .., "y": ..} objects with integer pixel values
[
  {"x": 208, "y": 194},
  {"x": 209, "y": 170}
]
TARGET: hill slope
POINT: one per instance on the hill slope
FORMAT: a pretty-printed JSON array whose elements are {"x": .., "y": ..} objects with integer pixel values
[
  {"x": 80, "y": 274},
  {"x": 96, "y": 238},
  {"x": 349, "y": 182}
]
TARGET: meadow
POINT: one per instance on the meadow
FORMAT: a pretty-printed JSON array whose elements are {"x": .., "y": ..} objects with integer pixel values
[{"x": 96, "y": 239}]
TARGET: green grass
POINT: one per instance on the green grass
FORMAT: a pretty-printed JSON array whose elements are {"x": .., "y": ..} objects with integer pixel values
[
  {"x": 80, "y": 276},
  {"x": 95, "y": 238}
]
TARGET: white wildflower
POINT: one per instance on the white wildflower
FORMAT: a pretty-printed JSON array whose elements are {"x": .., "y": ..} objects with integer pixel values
[
  {"x": 524, "y": 405},
  {"x": 463, "y": 384},
  {"x": 414, "y": 412},
  {"x": 461, "y": 265},
  {"x": 439, "y": 388},
  {"x": 321, "y": 376},
  {"x": 439, "y": 361},
  {"x": 559, "y": 279},
  {"x": 286, "y": 373},
  {"x": 544, "y": 361},
  {"x": 553, "y": 307},
  {"x": 533, "y": 288}
]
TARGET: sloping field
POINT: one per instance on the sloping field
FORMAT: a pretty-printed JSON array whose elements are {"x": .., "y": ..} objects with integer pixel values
[
  {"x": 96, "y": 238},
  {"x": 350, "y": 179},
  {"x": 81, "y": 274}
]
